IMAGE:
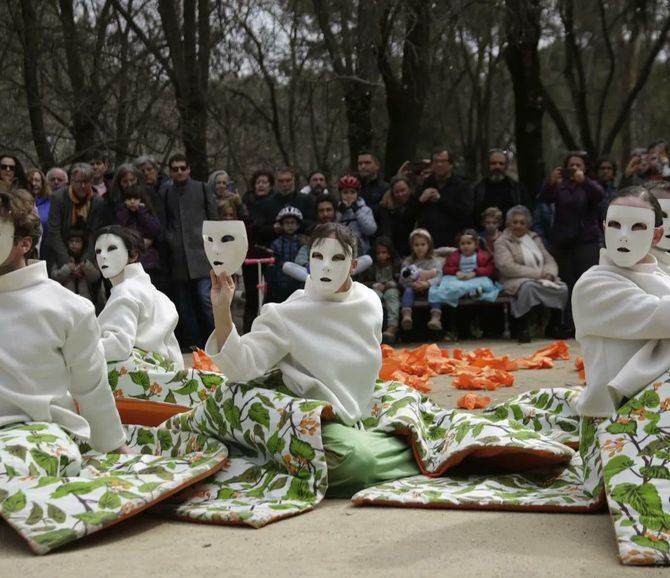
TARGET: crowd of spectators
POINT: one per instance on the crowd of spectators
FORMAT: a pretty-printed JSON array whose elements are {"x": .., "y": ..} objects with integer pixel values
[{"x": 428, "y": 236}]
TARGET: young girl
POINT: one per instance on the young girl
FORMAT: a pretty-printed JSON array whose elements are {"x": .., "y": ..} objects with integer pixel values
[
  {"x": 420, "y": 271},
  {"x": 382, "y": 278},
  {"x": 468, "y": 272},
  {"x": 491, "y": 222},
  {"x": 136, "y": 212}
]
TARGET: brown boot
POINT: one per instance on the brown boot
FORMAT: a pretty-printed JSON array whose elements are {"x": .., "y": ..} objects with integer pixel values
[
  {"x": 435, "y": 323},
  {"x": 406, "y": 322},
  {"x": 389, "y": 335}
]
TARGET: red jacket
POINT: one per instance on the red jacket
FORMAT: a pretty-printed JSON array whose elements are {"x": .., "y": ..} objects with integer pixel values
[{"x": 485, "y": 265}]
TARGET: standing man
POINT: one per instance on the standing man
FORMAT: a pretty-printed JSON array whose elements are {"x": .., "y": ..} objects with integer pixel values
[
  {"x": 288, "y": 196},
  {"x": 316, "y": 185},
  {"x": 57, "y": 178},
  {"x": 76, "y": 206},
  {"x": 445, "y": 200},
  {"x": 498, "y": 189},
  {"x": 187, "y": 204},
  {"x": 99, "y": 164},
  {"x": 373, "y": 186}
]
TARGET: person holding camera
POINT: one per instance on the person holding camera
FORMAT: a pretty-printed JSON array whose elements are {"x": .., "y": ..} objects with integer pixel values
[{"x": 575, "y": 237}]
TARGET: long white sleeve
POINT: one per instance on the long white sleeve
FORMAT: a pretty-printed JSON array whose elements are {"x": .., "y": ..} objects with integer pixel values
[
  {"x": 255, "y": 353},
  {"x": 607, "y": 305},
  {"x": 89, "y": 386},
  {"x": 118, "y": 323}
]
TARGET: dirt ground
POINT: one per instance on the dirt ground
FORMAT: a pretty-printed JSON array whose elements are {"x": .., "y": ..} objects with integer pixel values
[{"x": 338, "y": 539}]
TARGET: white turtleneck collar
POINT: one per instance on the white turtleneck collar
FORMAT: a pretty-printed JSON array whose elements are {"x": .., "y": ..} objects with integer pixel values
[
  {"x": 316, "y": 296},
  {"x": 649, "y": 265},
  {"x": 31, "y": 274}
]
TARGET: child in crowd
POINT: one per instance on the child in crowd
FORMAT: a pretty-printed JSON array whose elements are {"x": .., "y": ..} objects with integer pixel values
[
  {"x": 353, "y": 213},
  {"x": 491, "y": 223},
  {"x": 79, "y": 275},
  {"x": 382, "y": 278},
  {"x": 285, "y": 249},
  {"x": 136, "y": 213},
  {"x": 420, "y": 271},
  {"x": 467, "y": 271},
  {"x": 227, "y": 211}
]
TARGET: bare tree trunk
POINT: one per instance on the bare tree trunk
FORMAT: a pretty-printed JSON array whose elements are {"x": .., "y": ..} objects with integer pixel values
[
  {"x": 189, "y": 53},
  {"x": 405, "y": 96},
  {"x": 28, "y": 35},
  {"x": 88, "y": 96},
  {"x": 521, "y": 56},
  {"x": 353, "y": 64}
]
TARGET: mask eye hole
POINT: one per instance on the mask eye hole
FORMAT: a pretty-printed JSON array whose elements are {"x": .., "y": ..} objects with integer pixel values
[
  {"x": 317, "y": 255},
  {"x": 112, "y": 248},
  {"x": 227, "y": 238},
  {"x": 639, "y": 227},
  {"x": 210, "y": 239},
  {"x": 338, "y": 257},
  {"x": 98, "y": 251},
  {"x": 614, "y": 224}
]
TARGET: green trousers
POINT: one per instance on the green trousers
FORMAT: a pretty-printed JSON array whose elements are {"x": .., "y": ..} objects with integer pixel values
[{"x": 359, "y": 459}]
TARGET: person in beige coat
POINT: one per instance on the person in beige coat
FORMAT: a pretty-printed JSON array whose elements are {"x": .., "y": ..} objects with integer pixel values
[{"x": 528, "y": 272}]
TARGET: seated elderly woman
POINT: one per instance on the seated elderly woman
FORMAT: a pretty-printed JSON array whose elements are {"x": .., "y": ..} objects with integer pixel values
[{"x": 528, "y": 272}]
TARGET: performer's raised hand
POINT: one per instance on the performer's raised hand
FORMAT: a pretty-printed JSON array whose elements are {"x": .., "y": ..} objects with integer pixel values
[{"x": 223, "y": 290}]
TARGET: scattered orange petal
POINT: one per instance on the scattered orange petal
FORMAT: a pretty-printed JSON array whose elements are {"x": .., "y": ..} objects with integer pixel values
[
  {"x": 479, "y": 369},
  {"x": 473, "y": 401},
  {"x": 203, "y": 362}
]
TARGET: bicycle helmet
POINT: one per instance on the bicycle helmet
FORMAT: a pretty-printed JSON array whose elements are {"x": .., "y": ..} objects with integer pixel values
[
  {"x": 289, "y": 211},
  {"x": 349, "y": 182}
]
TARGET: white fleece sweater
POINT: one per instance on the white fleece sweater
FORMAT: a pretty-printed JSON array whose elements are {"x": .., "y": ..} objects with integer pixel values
[
  {"x": 663, "y": 258},
  {"x": 327, "y": 349},
  {"x": 139, "y": 315},
  {"x": 50, "y": 352},
  {"x": 622, "y": 321}
]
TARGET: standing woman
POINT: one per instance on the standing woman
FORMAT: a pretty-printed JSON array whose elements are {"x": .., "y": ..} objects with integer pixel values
[
  {"x": 260, "y": 231},
  {"x": 12, "y": 175},
  {"x": 39, "y": 187},
  {"x": 125, "y": 177},
  {"x": 575, "y": 234},
  {"x": 398, "y": 211},
  {"x": 219, "y": 185}
]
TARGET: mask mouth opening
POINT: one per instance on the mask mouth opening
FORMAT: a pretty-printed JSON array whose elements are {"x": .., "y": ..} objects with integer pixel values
[
  {"x": 623, "y": 250},
  {"x": 218, "y": 263},
  {"x": 325, "y": 279},
  {"x": 105, "y": 267}
]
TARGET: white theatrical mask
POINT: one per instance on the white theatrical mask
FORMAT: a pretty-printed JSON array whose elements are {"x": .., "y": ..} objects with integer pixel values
[
  {"x": 6, "y": 239},
  {"x": 664, "y": 243},
  {"x": 111, "y": 254},
  {"x": 329, "y": 266},
  {"x": 226, "y": 245},
  {"x": 629, "y": 232}
]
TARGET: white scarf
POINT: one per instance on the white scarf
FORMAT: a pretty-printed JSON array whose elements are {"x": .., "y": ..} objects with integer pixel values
[{"x": 532, "y": 256}]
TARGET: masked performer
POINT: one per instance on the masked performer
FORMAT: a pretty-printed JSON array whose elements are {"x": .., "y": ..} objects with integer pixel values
[
  {"x": 136, "y": 315},
  {"x": 325, "y": 340},
  {"x": 622, "y": 306},
  {"x": 50, "y": 354}
]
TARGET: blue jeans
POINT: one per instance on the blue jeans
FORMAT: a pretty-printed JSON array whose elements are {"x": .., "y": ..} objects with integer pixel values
[
  {"x": 194, "y": 305},
  {"x": 409, "y": 296}
]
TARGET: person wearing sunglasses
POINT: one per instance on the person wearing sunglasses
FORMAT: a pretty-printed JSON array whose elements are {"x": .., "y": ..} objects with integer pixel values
[
  {"x": 12, "y": 174},
  {"x": 187, "y": 204}
]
